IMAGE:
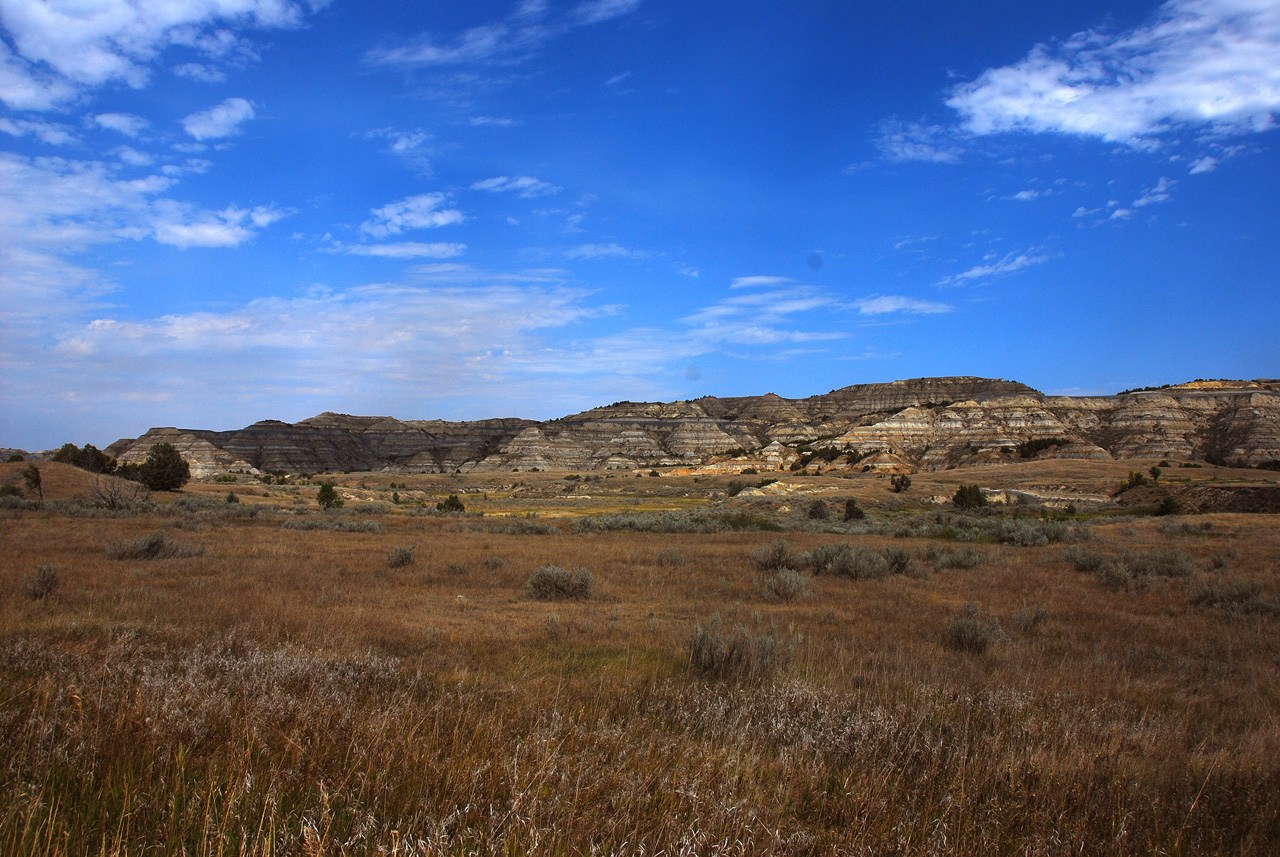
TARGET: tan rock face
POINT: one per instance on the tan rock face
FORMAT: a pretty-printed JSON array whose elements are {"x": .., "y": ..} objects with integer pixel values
[{"x": 925, "y": 423}]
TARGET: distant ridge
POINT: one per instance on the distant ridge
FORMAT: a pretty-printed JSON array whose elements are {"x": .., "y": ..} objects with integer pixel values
[{"x": 919, "y": 423}]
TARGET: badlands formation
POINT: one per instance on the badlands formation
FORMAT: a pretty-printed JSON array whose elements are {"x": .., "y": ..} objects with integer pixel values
[{"x": 920, "y": 424}]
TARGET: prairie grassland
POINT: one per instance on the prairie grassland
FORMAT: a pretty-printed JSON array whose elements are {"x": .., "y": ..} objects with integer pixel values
[{"x": 257, "y": 689}]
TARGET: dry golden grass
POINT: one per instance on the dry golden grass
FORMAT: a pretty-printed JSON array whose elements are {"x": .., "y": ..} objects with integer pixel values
[{"x": 288, "y": 692}]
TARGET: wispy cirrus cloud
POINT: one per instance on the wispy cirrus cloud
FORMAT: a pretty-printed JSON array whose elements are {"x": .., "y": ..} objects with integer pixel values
[
  {"x": 403, "y": 250},
  {"x": 898, "y": 303},
  {"x": 758, "y": 280},
  {"x": 603, "y": 251},
  {"x": 1210, "y": 64},
  {"x": 527, "y": 187},
  {"x": 993, "y": 266},
  {"x": 511, "y": 40}
]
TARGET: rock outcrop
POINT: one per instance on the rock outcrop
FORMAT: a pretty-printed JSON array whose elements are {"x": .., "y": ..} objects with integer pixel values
[{"x": 925, "y": 423}]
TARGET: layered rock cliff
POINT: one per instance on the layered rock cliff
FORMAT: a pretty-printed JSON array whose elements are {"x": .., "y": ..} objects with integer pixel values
[{"x": 925, "y": 423}]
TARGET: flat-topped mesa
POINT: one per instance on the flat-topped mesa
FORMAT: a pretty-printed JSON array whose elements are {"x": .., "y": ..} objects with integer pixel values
[{"x": 921, "y": 423}]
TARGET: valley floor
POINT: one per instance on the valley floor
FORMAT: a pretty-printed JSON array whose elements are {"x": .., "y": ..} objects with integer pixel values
[{"x": 192, "y": 676}]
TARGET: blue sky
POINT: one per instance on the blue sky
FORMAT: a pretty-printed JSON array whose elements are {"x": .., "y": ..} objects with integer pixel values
[{"x": 219, "y": 211}]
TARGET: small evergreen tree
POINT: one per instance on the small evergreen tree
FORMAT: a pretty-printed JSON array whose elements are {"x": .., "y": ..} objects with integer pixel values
[
  {"x": 327, "y": 497},
  {"x": 451, "y": 504},
  {"x": 852, "y": 512},
  {"x": 165, "y": 469},
  {"x": 969, "y": 497},
  {"x": 1155, "y": 474},
  {"x": 31, "y": 474},
  {"x": 899, "y": 483}
]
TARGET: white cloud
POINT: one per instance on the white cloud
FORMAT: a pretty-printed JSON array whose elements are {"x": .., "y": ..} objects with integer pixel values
[
  {"x": 45, "y": 132},
  {"x": 997, "y": 266},
  {"x": 63, "y": 49},
  {"x": 913, "y": 141},
  {"x": 178, "y": 225},
  {"x": 134, "y": 158},
  {"x": 122, "y": 123},
  {"x": 414, "y": 146},
  {"x": 201, "y": 72},
  {"x": 753, "y": 282},
  {"x": 221, "y": 120},
  {"x": 492, "y": 122},
  {"x": 1029, "y": 195},
  {"x": 755, "y": 318},
  {"x": 405, "y": 250},
  {"x": 898, "y": 303},
  {"x": 416, "y": 212},
  {"x": 527, "y": 186},
  {"x": 511, "y": 40},
  {"x": 1207, "y": 164},
  {"x": 603, "y": 251},
  {"x": 1159, "y": 193},
  {"x": 1198, "y": 63},
  {"x": 595, "y": 11}
]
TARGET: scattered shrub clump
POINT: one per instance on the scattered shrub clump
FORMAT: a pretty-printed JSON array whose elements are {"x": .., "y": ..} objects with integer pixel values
[
  {"x": 776, "y": 556},
  {"x": 818, "y": 510},
  {"x": 157, "y": 545},
  {"x": 493, "y": 563},
  {"x": 785, "y": 584},
  {"x": 1168, "y": 506},
  {"x": 903, "y": 561},
  {"x": 968, "y": 631},
  {"x": 899, "y": 482},
  {"x": 400, "y": 556},
  {"x": 739, "y": 654},
  {"x": 1082, "y": 558},
  {"x": 943, "y": 558},
  {"x": 552, "y": 583},
  {"x": 852, "y": 512},
  {"x": 339, "y": 525},
  {"x": 1185, "y": 528},
  {"x": 42, "y": 584},
  {"x": 1130, "y": 569},
  {"x": 1028, "y": 619},
  {"x": 825, "y": 559},
  {"x": 670, "y": 558},
  {"x": 1242, "y": 597}
]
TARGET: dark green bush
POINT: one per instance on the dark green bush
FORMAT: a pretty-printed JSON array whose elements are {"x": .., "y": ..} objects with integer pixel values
[
  {"x": 969, "y": 497},
  {"x": 328, "y": 497},
  {"x": 451, "y": 504}
]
